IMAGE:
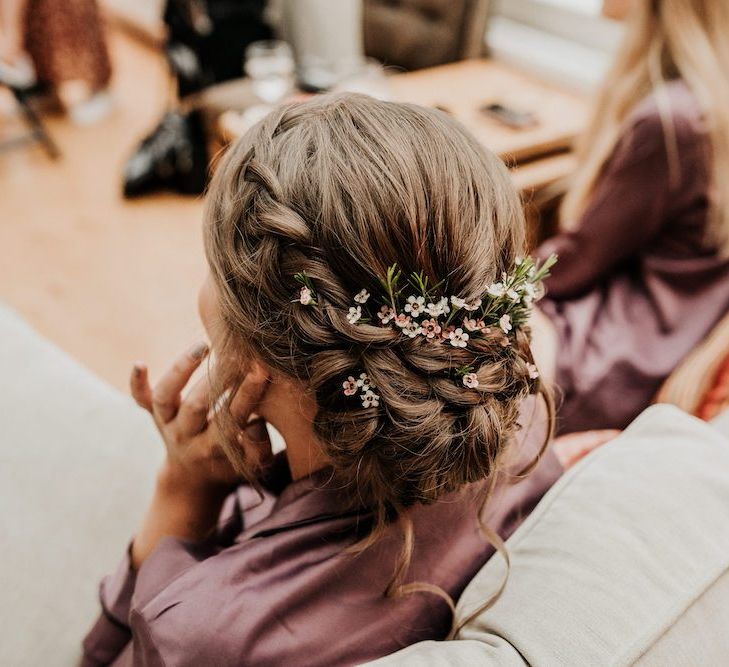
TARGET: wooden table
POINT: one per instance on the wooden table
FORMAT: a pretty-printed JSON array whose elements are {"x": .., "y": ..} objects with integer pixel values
[{"x": 538, "y": 155}]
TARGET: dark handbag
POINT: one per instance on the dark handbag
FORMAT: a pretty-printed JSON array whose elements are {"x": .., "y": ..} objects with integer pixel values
[
  {"x": 208, "y": 39},
  {"x": 173, "y": 157}
]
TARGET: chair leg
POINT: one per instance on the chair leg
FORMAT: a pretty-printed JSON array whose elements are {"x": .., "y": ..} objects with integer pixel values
[{"x": 38, "y": 129}]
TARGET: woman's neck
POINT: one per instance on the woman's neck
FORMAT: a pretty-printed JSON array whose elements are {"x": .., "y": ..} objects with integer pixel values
[{"x": 290, "y": 411}]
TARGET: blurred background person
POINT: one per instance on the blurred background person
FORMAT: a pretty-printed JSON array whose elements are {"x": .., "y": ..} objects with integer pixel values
[
  {"x": 642, "y": 275},
  {"x": 61, "y": 45}
]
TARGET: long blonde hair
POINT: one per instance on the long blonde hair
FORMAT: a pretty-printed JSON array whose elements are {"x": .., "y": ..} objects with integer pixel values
[{"x": 665, "y": 39}]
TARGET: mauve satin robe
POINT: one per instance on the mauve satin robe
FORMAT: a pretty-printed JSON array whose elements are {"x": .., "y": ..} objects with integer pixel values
[
  {"x": 275, "y": 586},
  {"x": 639, "y": 283}
]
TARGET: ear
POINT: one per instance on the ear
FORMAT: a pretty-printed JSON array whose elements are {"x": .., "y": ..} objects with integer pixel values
[{"x": 258, "y": 371}]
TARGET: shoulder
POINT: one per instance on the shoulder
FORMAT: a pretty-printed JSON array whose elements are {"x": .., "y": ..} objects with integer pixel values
[{"x": 675, "y": 101}]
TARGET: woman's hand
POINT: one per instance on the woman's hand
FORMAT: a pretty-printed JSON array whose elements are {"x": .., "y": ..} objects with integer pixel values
[
  {"x": 573, "y": 447},
  {"x": 192, "y": 440},
  {"x": 196, "y": 476}
]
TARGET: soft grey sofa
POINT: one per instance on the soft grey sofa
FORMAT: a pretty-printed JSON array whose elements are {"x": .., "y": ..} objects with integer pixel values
[{"x": 625, "y": 561}]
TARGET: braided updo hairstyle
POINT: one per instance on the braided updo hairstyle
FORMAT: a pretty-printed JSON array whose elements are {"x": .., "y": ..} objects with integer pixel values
[{"x": 341, "y": 188}]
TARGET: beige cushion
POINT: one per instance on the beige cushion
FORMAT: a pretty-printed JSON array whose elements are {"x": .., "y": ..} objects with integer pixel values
[
  {"x": 77, "y": 462},
  {"x": 625, "y": 561}
]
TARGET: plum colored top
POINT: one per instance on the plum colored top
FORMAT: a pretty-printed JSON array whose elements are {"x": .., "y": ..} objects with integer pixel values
[
  {"x": 276, "y": 587},
  {"x": 639, "y": 283}
]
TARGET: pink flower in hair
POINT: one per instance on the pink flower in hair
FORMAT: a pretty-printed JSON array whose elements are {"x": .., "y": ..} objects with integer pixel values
[
  {"x": 402, "y": 320},
  {"x": 470, "y": 380},
  {"x": 350, "y": 386},
  {"x": 430, "y": 328},
  {"x": 472, "y": 324},
  {"x": 533, "y": 371},
  {"x": 386, "y": 314},
  {"x": 305, "y": 297}
]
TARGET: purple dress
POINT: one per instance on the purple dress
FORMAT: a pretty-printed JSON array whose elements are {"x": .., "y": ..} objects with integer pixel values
[
  {"x": 639, "y": 283},
  {"x": 276, "y": 587}
]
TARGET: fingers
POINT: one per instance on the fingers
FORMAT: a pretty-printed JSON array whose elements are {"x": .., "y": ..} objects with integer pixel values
[
  {"x": 572, "y": 447},
  {"x": 192, "y": 416},
  {"x": 166, "y": 395},
  {"x": 249, "y": 395},
  {"x": 139, "y": 385}
]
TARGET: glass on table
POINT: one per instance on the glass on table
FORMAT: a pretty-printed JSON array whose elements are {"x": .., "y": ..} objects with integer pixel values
[{"x": 270, "y": 66}]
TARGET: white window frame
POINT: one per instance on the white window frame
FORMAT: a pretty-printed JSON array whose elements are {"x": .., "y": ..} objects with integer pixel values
[{"x": 554, "y": 39}]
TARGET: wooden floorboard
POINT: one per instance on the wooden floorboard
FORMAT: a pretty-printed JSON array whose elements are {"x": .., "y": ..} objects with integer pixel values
[{"x": 109, "y": 281}]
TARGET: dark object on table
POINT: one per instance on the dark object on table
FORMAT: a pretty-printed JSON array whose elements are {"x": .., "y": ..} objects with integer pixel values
[
  {"x": 513, "y": 118},
  {"x": 173, "y": 157},
  {"x": 208, "y": 38},
  {"x": 413, "y": 34}
]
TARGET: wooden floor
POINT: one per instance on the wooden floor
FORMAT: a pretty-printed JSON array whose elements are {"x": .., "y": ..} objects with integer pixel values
[{"x": 108, "y": 280}]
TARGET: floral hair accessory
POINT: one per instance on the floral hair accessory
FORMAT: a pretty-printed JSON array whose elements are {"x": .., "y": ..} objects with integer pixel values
[
  {"x": 416, "y": 309},
  {"x": 364, "y": 387},
  {"x": 306, "y": 295}
]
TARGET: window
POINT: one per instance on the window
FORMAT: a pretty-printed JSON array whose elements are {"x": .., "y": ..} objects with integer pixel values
[
  {"x": 583, "y": 6},
  {"x": 566, "y": 40}
]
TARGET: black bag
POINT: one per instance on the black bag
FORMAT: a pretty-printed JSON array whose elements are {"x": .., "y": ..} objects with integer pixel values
[
  {"x": 173, "y": 157},
  {"x": 208, "y": 39}
]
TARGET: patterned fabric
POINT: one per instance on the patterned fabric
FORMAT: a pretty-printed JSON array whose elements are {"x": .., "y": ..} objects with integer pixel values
[{"x": 66, "y": 41}]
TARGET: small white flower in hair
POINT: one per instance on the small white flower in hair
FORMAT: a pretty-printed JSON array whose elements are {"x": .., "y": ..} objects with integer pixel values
[
  {"x": 430, "y": 328},
  {"x": 497, "y": 290},
  {"x": 458, "y": 338},
  {"x": 529, "y": 293},
  {"x": 350, "y": 386},
  {"x": 362, "y": 296},
  {"x": 438, "y": 308},
  {"x": 533, "y": 371},
  {"x": 402, "y": 320},
  {"x": 386, "y": 314},
  {"x": 370, "y": 399},
  {"x": 458, "y": 302},
  {"x": 505, "y": 323},
  {"x": 518, "y": 261},
  {"x": 412, "y": 329},
  {"x": 472, "y": 324},
  {"x": 470, "y": 380},
  {"x": 354, "y": 315},
  {"x": 415, "y": 305},
  {"x": 513, "y": 295},
  {"x": 364, "y": 382},
  {"x": 305, "y": 297},
  {"x": 475, "y": 305}
]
